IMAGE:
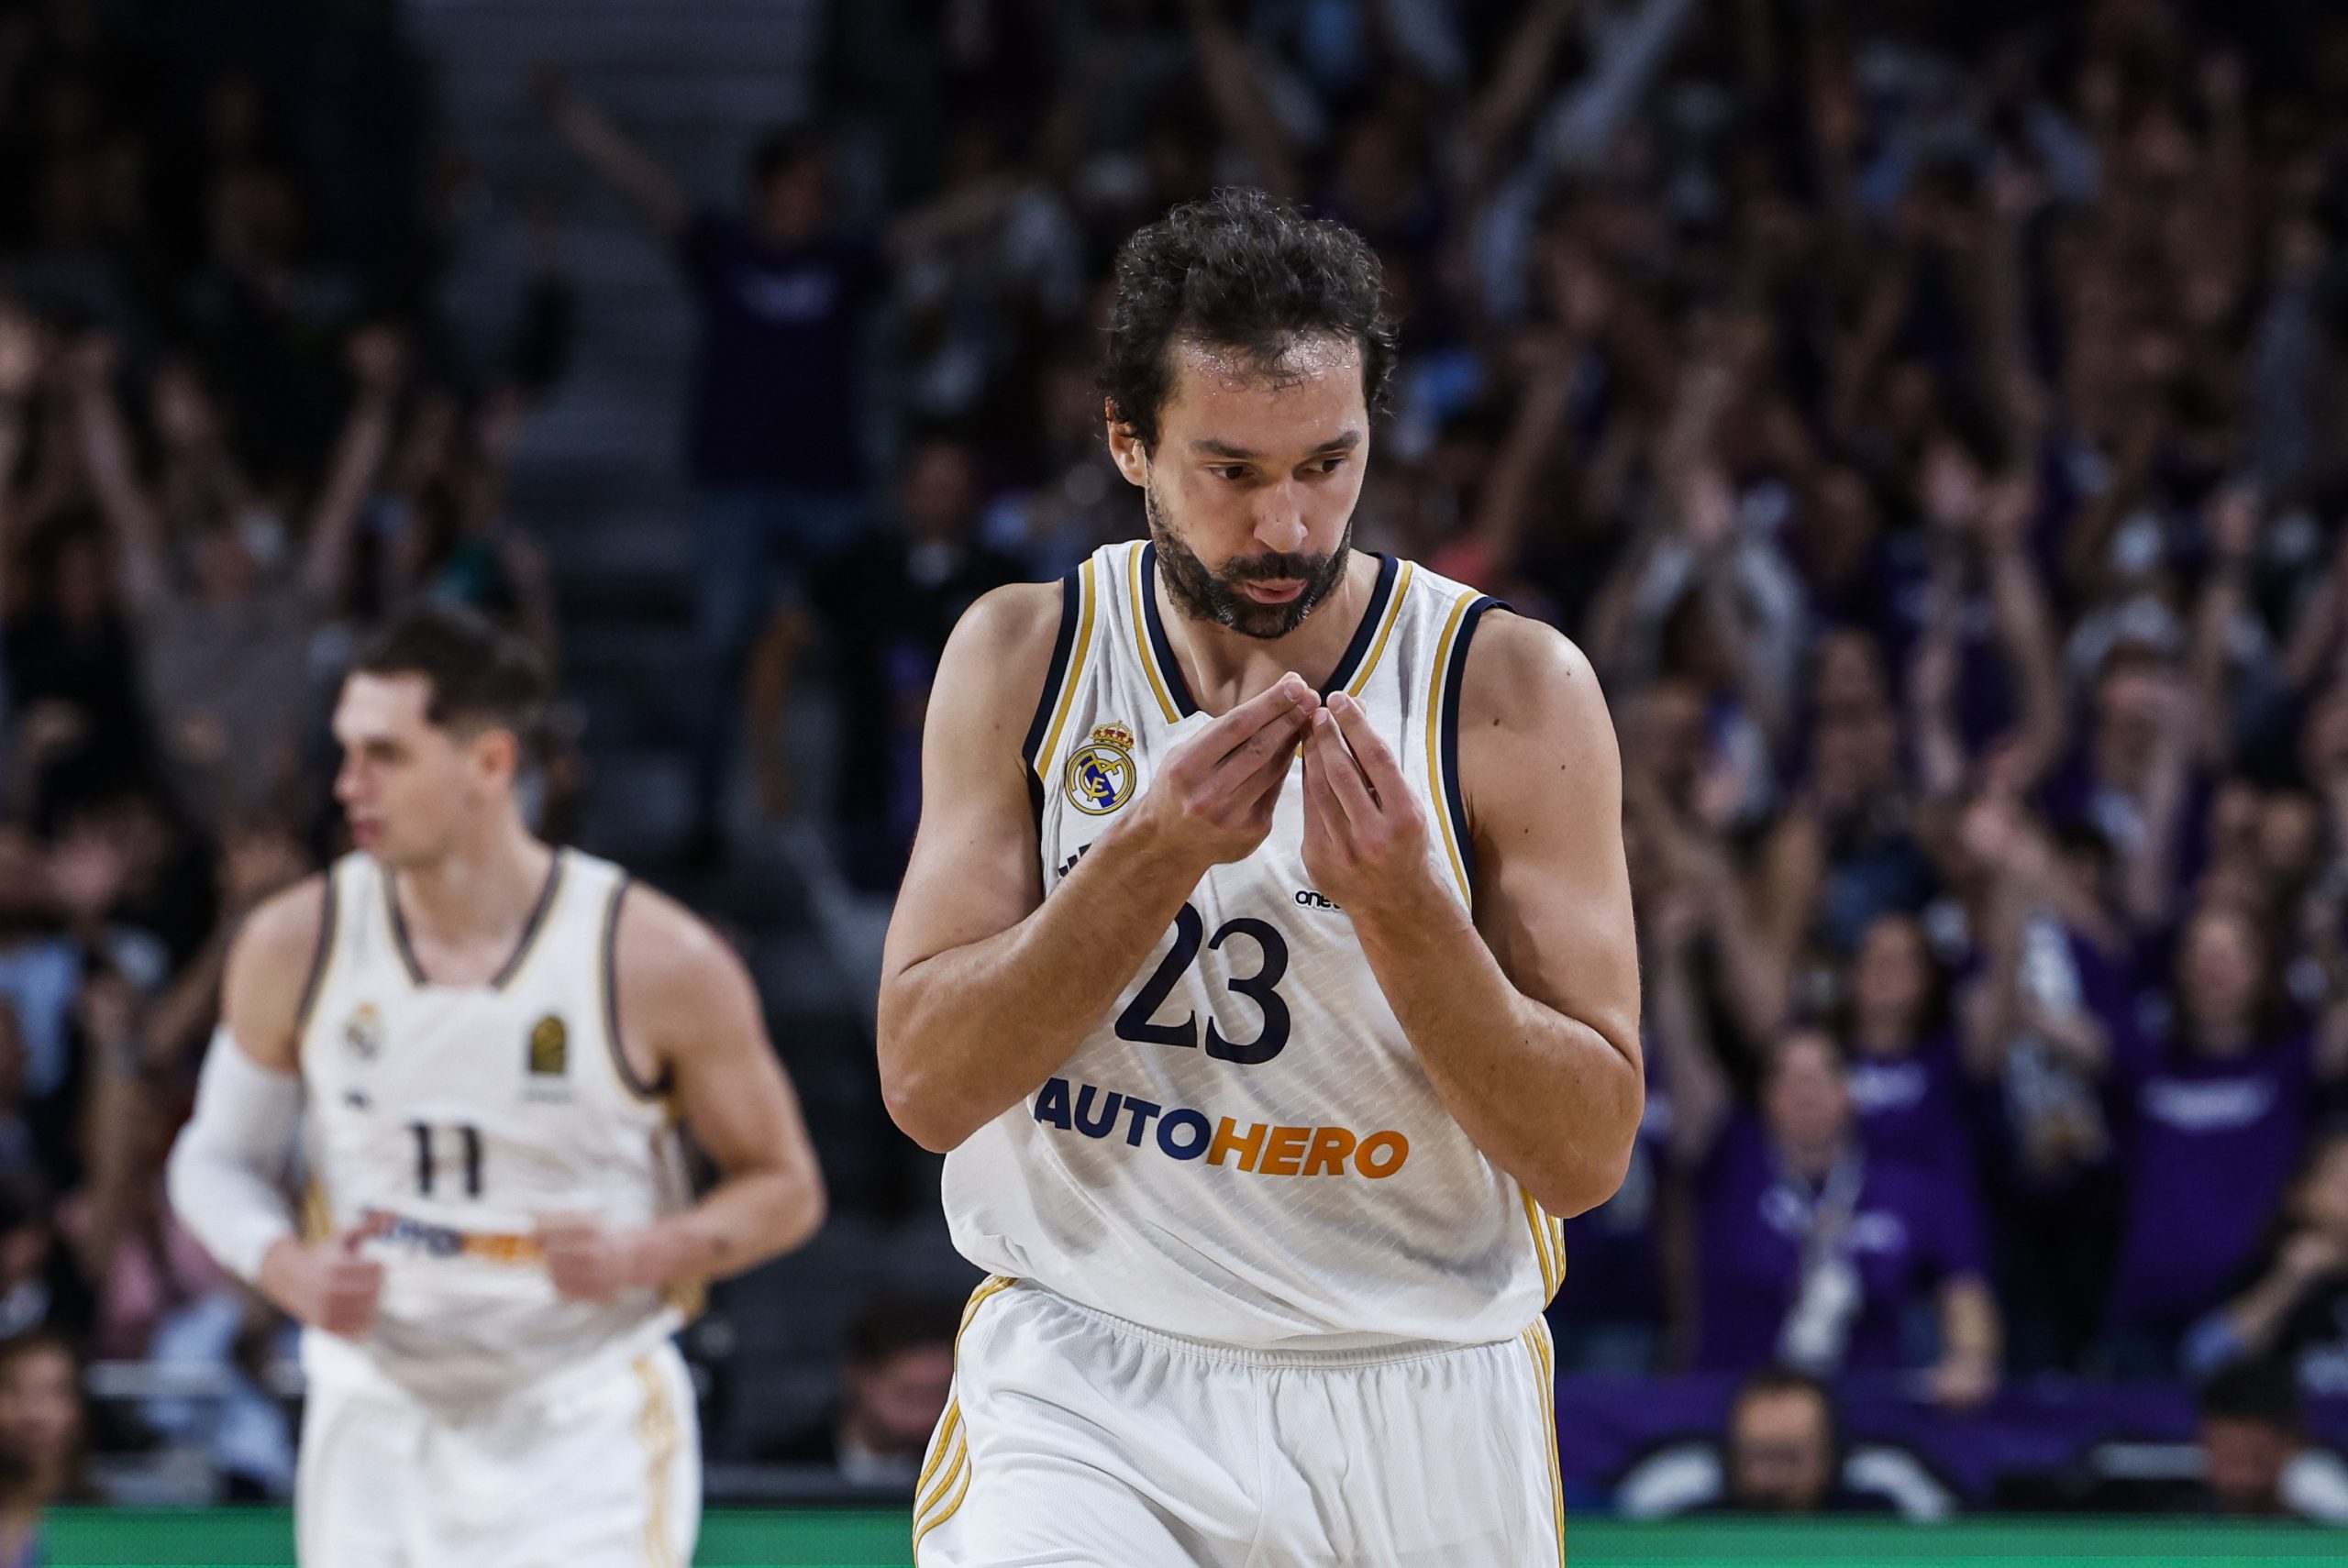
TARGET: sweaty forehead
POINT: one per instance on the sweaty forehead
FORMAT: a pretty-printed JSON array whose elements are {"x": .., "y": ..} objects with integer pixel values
[{"x": 1314, "y": 377}]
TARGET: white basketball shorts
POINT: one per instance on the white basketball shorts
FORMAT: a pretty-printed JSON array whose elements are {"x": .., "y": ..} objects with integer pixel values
[
  {"x": 1077, "y": 1439},
  {"x": 597, "y": 1467}
]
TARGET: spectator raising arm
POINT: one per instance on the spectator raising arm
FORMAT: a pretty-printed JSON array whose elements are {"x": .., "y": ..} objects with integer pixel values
[
  {"x": 140, "y": 553},
  {"x": 613, "y": 155},
  {"x": 21, "y": 366},
  {"x": 1236, "y": 93},
  {"x": 378, "y": 363}
]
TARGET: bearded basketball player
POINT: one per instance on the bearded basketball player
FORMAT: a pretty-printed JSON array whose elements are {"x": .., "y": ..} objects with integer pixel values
[
  {"x": 1265, "y": 967},
  {"x": 485, "y": 1047}
]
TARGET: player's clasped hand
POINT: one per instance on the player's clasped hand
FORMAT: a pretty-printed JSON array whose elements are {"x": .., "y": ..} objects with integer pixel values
[
  {"x": 331, "y": 1284},
  {"x": 1365, "y": 836},
  {"x": 1213, "y": 798},
  {"x": 586, "y": 1260}
]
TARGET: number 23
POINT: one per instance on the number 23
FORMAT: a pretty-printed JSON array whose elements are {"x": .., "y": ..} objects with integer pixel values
[{"x": 1190, "y": 930}]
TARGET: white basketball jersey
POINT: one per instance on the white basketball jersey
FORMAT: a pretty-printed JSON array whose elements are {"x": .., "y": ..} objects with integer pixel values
[
  {"x": 442, "y": 1120},
  {"x": 1245, "y": 1148}
]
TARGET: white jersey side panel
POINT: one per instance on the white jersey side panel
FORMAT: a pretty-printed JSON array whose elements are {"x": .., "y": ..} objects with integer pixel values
[
  {"x": 442, "y": 1120},
  {"x": 1246, "y": 1148}
]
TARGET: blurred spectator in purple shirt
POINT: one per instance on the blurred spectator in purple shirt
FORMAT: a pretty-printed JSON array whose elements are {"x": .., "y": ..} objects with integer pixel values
[
  {"x": 1812, "y": 1251},
  {"x": 2293, "y": 1308},
  {"x": 2210, "y": 1118}
]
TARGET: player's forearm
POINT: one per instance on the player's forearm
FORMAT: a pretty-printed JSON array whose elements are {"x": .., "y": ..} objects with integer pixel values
[
  {"x": 1551, "y": 1099},
  {"x": 741, "y": 1222},
  {"x": 968, "y": 1033}
]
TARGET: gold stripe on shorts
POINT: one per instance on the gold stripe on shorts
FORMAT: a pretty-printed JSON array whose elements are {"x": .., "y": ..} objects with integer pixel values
[
  {"x": 948, "y": 1465},
  {"x": 657, "y": 1432},
  {"x": 1536, "y": 1340}
]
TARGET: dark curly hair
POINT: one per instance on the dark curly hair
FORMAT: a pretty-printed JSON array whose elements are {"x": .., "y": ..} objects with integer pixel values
[{"x": 1239, "y": 269}]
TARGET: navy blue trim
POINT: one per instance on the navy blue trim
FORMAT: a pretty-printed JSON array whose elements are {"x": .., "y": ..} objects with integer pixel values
[
  {"x": 327, "y": 921},
  {"x": 1071, "y": 611},
  {"x": 531, "y": 931},
  {"x": 1071, "y": 607},
  {"x": 1389, "y": 567},
  {"x": 1452, "y": 679},
  {"x": 1168, "y": 668},
  {"x": 628, "y": 1074},
  {"x": 399, "y": 928},
  {"x": 513, "y": 960}
]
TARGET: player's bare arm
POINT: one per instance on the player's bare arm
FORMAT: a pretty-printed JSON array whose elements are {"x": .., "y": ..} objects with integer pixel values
[
  {"x": 1526, "y": 1016},
  {"x": 688, "y": 1017},
  {"x": 324, "y": 1283},
  {"x": 986, "y": 985}
]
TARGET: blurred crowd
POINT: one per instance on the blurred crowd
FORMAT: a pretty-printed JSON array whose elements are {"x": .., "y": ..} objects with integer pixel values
[
  {"x": 235, "y": 428},
  {"x": 1928, "y": 417}
]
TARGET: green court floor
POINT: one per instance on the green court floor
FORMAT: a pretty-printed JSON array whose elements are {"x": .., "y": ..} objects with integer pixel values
[{"x": 262, "y": 1538}]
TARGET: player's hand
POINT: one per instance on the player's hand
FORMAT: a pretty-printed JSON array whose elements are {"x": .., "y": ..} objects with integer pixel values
[
  {"x": 1213, "y": 799},
  {"x": 326, "y": 1284},
  {"x": 1365, "y": 836},
  {"x": 589, "y": 1262}
]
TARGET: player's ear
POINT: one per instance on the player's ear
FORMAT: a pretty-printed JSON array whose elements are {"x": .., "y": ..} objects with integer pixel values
[
  {"x": 1125, "y": 447},
  {"x": 497, "y": 753}
]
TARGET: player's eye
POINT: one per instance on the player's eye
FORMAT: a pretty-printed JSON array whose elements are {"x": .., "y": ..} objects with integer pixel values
[
  {"x": 1230, "y": 471},
  {"x": 1330, "y": 465}
]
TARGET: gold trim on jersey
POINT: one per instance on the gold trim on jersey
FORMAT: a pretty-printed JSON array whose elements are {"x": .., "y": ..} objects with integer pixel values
[
  {"x": 1090, "y": 596},
  {"x": 318, "y": 1211},
  {"x": 1142, "y": 649},
  {"x": 1360, "y": 682},
  {"x": 1536, "y": 1340},
  {"x": 1546, "y": 1247},
  {"x": 949, "y": 1453},
  {"x": 659, "y": 1435},
  {"x": 1432, "y": 716}
]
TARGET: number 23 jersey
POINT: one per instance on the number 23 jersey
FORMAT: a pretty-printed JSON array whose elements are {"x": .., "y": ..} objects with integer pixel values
[
  {"x": 442, "y": 1120},
  {"x": 1245, "y": 1148}
]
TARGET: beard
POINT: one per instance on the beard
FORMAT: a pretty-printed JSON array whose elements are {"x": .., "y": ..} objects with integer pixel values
[{"x": 1204, "y": 594}]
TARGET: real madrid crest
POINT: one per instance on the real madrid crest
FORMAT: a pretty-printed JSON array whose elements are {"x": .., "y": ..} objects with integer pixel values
[
  {"x": 549, "y": 1048},
  {"x": 362, "y": 1033},
  {"x": 1100, "y": 774}
]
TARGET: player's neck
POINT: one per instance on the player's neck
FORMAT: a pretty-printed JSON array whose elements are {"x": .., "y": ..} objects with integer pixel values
[
  {"x": 1225, "y": 668},
  {"x": 479, "y": 894}
]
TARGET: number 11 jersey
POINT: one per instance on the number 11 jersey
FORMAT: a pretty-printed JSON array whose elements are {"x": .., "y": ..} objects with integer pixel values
[
  {"x": 441, "y": 1122},
  {"x": 1245, "y": 1148}
]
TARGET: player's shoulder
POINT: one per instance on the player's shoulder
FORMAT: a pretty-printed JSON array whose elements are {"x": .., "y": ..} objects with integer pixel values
[
  {"x": 1001, "y": 655},
  {"x": 1523, "y": 675},
  {"x": 272, "y": 963},
  {"x": 1016, "y": 620},
  {"x": 284, "y": 927},
  {"x": 654, "y": 934}
]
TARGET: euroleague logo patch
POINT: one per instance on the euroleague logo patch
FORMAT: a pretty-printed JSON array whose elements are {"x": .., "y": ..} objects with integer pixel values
[{"x": 1100, "y": 774}]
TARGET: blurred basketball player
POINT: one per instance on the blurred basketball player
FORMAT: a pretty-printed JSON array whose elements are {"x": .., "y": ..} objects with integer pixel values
[
  {"x": 1266, "y": 963},
  {"x": 486, "y": 1043}
]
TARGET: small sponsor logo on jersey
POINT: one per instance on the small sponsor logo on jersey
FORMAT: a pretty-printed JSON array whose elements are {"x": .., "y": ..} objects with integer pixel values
[
  {"x": 1258, "y": 1148},
  {"x": 362, "y": 1033},
  {"x": 549, "y": 1048},
  {"x": 408, "y": 1234},
  {"x": 1309, "y": 899},
  {"x": 1100, "y": 775},
  {"x": 356, "y": 1099}
]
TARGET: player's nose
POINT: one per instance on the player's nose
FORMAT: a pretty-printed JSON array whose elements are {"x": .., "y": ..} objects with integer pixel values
[{"x": 1280, "y": 521}]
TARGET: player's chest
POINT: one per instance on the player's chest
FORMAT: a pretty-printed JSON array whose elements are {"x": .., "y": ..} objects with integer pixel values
[{"x": 394, "y": 1047}]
